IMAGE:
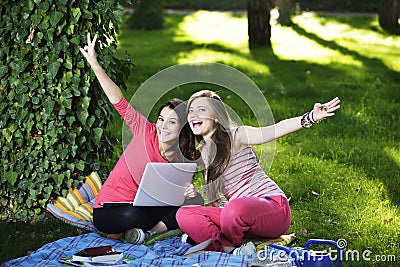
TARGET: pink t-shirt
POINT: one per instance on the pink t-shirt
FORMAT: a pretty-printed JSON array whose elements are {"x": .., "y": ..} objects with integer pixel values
[{"x": 124, "y": 179}]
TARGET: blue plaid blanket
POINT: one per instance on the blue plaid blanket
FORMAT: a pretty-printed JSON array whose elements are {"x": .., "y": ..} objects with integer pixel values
[{"x": 162, "y": 253}]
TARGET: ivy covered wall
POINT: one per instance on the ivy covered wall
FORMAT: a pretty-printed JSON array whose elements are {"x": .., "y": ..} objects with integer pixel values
[{"x": 53, "y": 113}]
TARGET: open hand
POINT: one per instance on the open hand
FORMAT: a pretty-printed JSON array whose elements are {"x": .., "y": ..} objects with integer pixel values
[
  {"x": 88, "y": 50},
  {"x": 321, "y": 111}
]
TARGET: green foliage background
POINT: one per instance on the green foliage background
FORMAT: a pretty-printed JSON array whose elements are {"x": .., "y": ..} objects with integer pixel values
[
  {"x": 147, "y": 15},
  {"x": 328, "y": 5},
  {"x": 53, "y": 113}
]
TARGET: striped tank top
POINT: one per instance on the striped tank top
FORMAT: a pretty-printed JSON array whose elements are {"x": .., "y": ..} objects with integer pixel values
[{"x": 245, "y": 177}]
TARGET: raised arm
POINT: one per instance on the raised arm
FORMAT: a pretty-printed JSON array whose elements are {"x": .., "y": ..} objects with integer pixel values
[
  {"x": 112, "y": 91},
  {"x": 246, "y": 135}
]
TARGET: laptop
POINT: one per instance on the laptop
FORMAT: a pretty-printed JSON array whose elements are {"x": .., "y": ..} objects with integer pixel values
[{"x": 162, "y": 184}]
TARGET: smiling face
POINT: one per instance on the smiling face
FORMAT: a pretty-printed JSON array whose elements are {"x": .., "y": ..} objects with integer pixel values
[
  {"x": 201, "y": 117},
  {"x": 168, "y": 126}
]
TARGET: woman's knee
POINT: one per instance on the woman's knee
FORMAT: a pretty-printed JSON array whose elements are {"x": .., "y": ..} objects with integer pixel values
[
  {"x": 235, "y": 207},
  {"x": 183, "y": 214}
]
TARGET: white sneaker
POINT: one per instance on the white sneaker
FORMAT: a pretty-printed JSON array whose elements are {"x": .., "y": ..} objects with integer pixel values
[
  {"x": 246, "y": 249},
  {"x": 136, "y": 236},
  {"x": 276, "y": 261},
  {"x": 184, "y": 237}
]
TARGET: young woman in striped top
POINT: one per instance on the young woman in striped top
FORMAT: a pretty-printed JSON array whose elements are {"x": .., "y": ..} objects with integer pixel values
[{"x": 256, "y": 207}]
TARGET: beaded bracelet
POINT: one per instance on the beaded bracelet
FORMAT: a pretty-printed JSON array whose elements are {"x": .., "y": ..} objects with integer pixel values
[{"x": 306, "y": 120}]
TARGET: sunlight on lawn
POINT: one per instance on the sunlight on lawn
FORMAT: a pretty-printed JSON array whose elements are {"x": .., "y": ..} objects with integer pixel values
[
  {"x": 288, "y": 44},
  {"x": 393, "y": 154},
  {"x": 216, "y": 27},
  {"x": 360, "y": 41},
  {"x": 312, "y": 39},
  {"x": 206, "y": 55},
  {"x": 205, "y": 28}
]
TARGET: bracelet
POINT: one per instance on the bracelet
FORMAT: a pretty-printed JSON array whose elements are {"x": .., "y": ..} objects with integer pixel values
[
  {"x": 311, "y": 117},
  {"x": 306, "y": 121}
]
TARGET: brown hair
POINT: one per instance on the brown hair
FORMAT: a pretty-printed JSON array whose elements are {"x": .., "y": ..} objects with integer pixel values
[
  {"x": 187, "y": 142},
  {"x": 221, "y": 136}
]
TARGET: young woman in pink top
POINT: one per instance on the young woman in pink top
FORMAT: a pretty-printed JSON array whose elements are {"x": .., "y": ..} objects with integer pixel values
[
  {"x": 169, "y": 139},
  {"x": 256, "y": 207}
]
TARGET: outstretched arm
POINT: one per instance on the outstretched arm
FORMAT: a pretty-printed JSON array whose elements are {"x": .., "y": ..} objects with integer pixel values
[
  {"x": 247, "y": 135},
  {"x": 112, "y": 91}
]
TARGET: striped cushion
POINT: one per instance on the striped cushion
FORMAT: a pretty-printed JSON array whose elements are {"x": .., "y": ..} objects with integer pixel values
[{"x": 77, "y": 207}]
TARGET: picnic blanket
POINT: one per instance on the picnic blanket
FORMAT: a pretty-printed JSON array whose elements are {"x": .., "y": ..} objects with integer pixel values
[
  {"x": 76, "y": 209},
  {"x": 163, "y": 253},
  {"x": 167, "y": 252}
]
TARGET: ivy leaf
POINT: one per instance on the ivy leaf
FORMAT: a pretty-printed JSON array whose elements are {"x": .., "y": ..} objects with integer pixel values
[
  {"x": 71, "y": 137},
  {"x": 98, "y": 132},
  {"x": 36, "y": 19},
  {"x": 3, "y": 71},
  {"x": 21, "y": 115},
  {"x": 30, "y": 5},
  {"x": 80, "y": 165},
  {"x": 82, "y": 116},
  {"x": 70, "y": 120},
  {"x": 28, "y": 126},
  {"x": 23, "y": 99},
  {"x": 8, "y": 135},
  {"x": 55, "y": 17},
  {"x": 58, "y": 178},
  {"x": 62, "y": 153},
  {"x": 67, "y": 93},
  {"x": 49, "y": 35},
  {"x": 90, "y": 121},
  {"x": 21, "y": 34},
  {"x": 74, "y": 148},
  {"x": 48, "y": 106},
  {"x": 11, "y": 177},
  {"x": 87, "y": 14},
  {"x": 53, "y": 68},
  {"x": 44, "y": 25},
  {"x": 76, "y": 13},
  {"x": 67, "y": 103},
  {"x": 76, "y": 40},
  {"x": 48, "y": 189},
  {"x": 68, "y": 63},
  {"x": 35, "y": 100},
  {"x": 85, "y": 102},
  {"x": 21, "y": 89},
  {"x": 43, "y": 5}
]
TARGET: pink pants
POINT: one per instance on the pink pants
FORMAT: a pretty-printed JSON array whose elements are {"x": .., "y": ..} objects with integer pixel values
[{"x": 246, "y": 217}]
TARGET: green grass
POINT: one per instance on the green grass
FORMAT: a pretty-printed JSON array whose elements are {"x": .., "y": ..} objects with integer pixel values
[{"x": 350, "y": 161}]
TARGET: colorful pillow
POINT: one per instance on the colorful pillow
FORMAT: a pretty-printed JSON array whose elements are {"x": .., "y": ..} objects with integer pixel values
[{"x": 76, "y": 208}]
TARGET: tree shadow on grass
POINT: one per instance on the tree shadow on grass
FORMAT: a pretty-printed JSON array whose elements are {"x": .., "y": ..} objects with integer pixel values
[
  {"x": 376, "y": 132},
  {"x": 372, "y": 130}
]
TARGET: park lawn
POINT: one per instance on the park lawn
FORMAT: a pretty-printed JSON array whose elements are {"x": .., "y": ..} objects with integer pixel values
[{"x": 342, "y": 176}]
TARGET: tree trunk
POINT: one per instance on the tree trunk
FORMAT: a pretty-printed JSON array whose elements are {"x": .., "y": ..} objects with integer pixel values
[
  {"x": 259, "y": 27},
  {"x": 285, "y": 8},
  {"x": 389, "y": 14}
]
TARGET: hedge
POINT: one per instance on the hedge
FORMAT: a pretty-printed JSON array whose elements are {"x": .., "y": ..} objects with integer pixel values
[{"x": 53, "y": 112}]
